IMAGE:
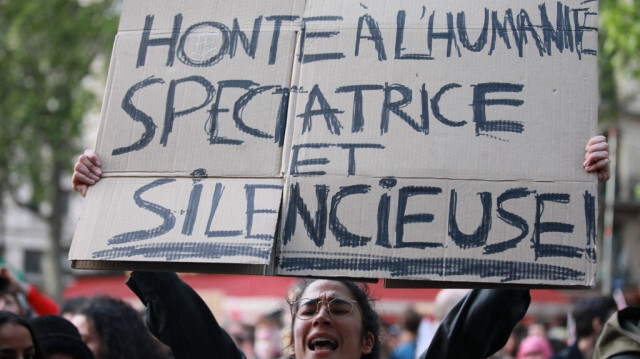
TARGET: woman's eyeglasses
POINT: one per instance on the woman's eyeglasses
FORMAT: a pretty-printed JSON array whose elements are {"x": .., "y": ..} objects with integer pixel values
[{"x": 306, "y": 308}]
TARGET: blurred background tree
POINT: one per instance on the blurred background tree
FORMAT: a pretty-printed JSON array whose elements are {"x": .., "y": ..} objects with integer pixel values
[
  {"x": 619, "y": 52},
  {"x": 48, "y": 50}
]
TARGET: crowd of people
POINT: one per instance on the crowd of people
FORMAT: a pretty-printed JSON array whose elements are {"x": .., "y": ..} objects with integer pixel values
[
  {"x": 101, "y": 327},
  {"x": 328, "y": 319}
]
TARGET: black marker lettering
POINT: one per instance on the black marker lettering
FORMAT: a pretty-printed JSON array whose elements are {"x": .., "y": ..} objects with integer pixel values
[
  {"x": 145, "y": 41},
  {"x": 317, "y": 232},
  {"x": 357, "y": 123},
  {"x": 281, "y": 121},
  {"x": 341, "y": 233},
  {"x": 552, "y": 250},
  {"x": 212, "y": 121},
  {"x": 375, "y": 36},
  {"x": 562, "y": 37},
  {"x": 395, "y": 107},
  {"x": 464, "y": 36},
  {"x": 192, "y": 207},
  {"x": 384, "y": 209},
  {"x": 241, "y": 103},
  {"x": 500, "y": 30},
  {"x": 480, "y": 103},
  {"x": 250, "y": 194},
  {"x": 223, "y": 48},
  {"x": 404, "y": 194},
  {"x": 524, "y": 25},
  {"x": 168, "y": 219},
  {"x": 351, "y": 163},
  {"x": 479, "y": 237},
  {"x": 333, "y": 124},
  {"x": 138, "y": 116},
  {"x": 580, "y": 29},
  {"x": 590, "y": 221},
  {"x": 305, "y": 58},
  {"x": 448, "y": 35},
  {"x": 510, "y": 219},
  {"x": 215, "y": 202},
  {"x": 435, "y": 105},
  {"x": 273, "y": 50},
  {"x": 249, "y": 47},
  {"x": 400, "y": 19},
  {"x": 170, "y": 111}
]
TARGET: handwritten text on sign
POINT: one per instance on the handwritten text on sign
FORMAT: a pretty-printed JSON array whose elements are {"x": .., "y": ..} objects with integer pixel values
[{"x": 435, "y": 141}]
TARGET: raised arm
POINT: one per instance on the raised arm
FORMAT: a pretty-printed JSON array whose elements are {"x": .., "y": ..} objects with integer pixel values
[{"x": 180, "y": 318}]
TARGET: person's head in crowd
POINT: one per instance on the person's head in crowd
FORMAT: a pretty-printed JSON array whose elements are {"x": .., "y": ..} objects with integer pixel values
[
  {"x": 17, "y": 338},
  {"x": 445, "y": 300},
  {"x": 73, "y": 305},
  {"x": 9, "y": 300},
  {"x": 59, "y": 338},
  {"x": 112, "y": 329},
  {"x": 534, "y": 347},
  {"x": 268, "y": 338},
  {"x": 620, "y": 338},
  {"x": 590, "y": 313},
  {"x": 334, "y": 319},
  {"x": 409, "y": 322},
  {"x": 242, "y": 335},
  {"x": 389, "y": 337},
  {"x": 536, "y": 330}
]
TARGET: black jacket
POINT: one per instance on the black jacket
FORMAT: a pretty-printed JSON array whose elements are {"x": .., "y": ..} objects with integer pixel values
[{"x": 476, "y": 327}]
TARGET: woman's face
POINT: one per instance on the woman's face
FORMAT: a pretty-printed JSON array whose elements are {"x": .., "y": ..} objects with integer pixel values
[
  {"x": 9, "y": 303},
  {"x": 324, "y": 335},
  {"x": 16, "y": 342}
]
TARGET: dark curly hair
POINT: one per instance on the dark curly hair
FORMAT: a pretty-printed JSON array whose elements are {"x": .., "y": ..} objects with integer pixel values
[
  {"x": 360, "y": 292},
  {"x": 121, "y": 328},
  {"x": 8, "y": 317}
]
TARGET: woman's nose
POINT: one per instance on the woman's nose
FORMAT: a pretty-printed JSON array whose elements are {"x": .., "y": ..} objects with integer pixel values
[{"x": 323, "y": 315}]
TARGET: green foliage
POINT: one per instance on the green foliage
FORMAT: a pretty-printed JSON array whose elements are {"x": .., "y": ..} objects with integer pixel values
[
  {"x": 47, "y": 49},
  {"x": 619, "y": 48}
]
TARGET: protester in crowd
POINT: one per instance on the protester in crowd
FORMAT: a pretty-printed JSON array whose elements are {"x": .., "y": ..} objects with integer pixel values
[
  {"x": 409, "y": 323},
  {"x": 444, "y": 301},
  {"x": 620, "y": 338},
  {"x": 589, "y": 313},
  {"x": 9, "y": 300},
  {"x": 534, "y": 347},
  {"x": 112, "y": 329},
  {"x": 243, "y": 336},
  {"x": 17, "y": 338},
  {"x": 389, "y": 334},
  {"x": 324, "y": 319},
  {"x": 73, "y": 305},
  {"x": 268, "y": 343},
  {"x": 537, "y": 329},
  {"x": 40, "y": 303},
  {"x": 347, "y": 328},
  {"x": 510, "y": 349},
  {"x": 59, "y": 338}
]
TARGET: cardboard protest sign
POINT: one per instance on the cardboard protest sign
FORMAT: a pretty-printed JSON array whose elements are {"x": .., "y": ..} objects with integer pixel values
[{"x": 437, "y": 141}]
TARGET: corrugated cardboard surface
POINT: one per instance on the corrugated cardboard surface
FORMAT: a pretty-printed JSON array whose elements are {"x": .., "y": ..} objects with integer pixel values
[{"x": 375, "y": 139}]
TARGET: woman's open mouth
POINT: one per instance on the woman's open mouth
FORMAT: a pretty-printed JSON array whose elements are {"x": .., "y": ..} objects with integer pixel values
[{"x": 319, "y": 343}]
